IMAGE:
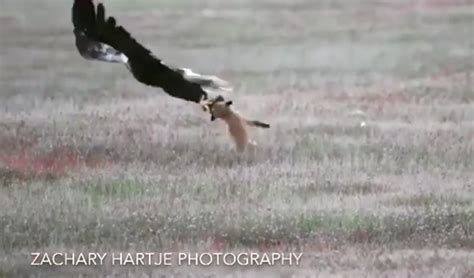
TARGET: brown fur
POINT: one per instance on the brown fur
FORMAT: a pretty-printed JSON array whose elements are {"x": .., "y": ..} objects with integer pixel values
[{"x": 236, "y": 123}]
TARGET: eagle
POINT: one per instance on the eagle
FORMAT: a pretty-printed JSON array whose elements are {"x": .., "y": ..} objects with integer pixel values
[{"x": 100, "y": 38}]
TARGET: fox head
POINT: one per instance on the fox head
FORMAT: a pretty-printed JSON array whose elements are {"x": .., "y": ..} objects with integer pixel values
[{"x": 218, "y": 107}]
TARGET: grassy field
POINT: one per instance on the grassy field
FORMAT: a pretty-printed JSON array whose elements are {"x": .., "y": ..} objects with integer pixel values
[{"x": 368, "y": 167}]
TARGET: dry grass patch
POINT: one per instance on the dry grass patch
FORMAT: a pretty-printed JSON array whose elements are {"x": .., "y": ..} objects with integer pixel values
[{"x": 91, "y": 159}]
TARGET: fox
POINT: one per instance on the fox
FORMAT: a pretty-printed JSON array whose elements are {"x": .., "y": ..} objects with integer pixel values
[{"x": 236, "y": 123}]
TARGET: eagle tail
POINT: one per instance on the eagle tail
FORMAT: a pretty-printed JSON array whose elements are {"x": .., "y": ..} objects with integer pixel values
[{"x": 209, "y": 83}]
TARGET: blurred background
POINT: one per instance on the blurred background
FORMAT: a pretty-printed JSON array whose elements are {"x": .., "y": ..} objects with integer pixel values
[{"x": 368, "y": 167}]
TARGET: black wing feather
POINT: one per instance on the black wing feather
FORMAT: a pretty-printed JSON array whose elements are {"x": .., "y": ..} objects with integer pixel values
[
  {"x": 83, "y": 15},
  {"x": 144, "y": 66},
  {"x": 84, "y": 21}
]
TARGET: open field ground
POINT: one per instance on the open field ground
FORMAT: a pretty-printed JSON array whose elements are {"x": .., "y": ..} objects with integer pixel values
[{"x": 368, "y": 167}]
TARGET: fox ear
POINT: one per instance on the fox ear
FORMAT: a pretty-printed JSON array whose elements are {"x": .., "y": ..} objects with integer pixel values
[{"x": 229, "y": 103}]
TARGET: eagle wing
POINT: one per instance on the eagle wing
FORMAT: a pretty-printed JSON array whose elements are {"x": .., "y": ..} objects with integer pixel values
[
  {"x": 83, "y": 19},
  {"x": 145, "y": 67}
]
